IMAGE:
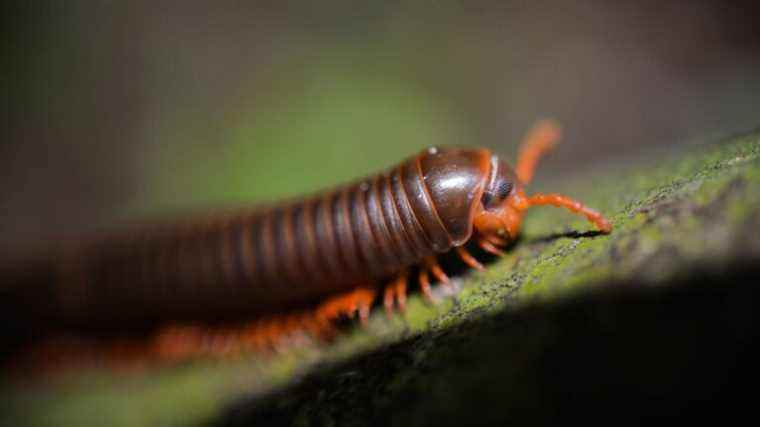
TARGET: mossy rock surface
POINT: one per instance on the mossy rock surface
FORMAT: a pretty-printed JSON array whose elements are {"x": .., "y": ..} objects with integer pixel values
[{"x": 566, "y": 318}]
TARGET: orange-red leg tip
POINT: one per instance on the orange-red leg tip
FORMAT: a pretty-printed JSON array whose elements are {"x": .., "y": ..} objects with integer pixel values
[
  {"x": 388, "y": 300},
  {"x": 490, "y": 247},
  {"x": 496, "y": 240},
  {"x": 604, "y": 225},
  {"x": 469, "y": 259},
  {"x": 401, "y": 295},
  {"x": 439, "y": 274},
  {"x": 395, "y": 295},
  {"x": 425, "y": 286}
]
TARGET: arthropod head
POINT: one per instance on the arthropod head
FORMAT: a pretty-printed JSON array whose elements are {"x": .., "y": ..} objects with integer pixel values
[
  {"x": 499, "y": 213},
  {"x": 504, "y": 202}
]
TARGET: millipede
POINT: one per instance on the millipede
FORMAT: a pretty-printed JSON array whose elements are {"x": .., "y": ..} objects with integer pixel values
[{"x": 290, "y": 269}]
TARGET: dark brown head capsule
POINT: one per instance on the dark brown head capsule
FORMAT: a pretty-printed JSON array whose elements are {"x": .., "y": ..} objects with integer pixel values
[
  {"x": 462, "y": 185},
  {"x": 455, "y": 179}
]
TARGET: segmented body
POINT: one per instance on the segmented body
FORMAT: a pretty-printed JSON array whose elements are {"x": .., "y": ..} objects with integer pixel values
[
  {"x": 263, "y": 261},
  {"x": 287, "y": 258}
]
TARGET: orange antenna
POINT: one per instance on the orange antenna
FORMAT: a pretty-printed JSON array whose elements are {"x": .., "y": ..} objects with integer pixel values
[
  {"x": 574, "y": 206},
  {"x": 540, "y": 139}
]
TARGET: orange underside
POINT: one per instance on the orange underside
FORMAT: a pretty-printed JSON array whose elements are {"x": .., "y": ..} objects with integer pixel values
[
  {"x": 263, "y": 335},
  {"x": 175, "y": 343}
]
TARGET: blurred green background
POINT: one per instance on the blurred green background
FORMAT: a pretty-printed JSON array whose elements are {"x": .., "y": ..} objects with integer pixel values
[{"x": 123, "y": 109}]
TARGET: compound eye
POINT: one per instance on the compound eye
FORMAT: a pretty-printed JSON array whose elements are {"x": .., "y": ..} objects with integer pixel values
[
  {"x": 497, "y": 194},
  {"x": 503, "y": 189}
]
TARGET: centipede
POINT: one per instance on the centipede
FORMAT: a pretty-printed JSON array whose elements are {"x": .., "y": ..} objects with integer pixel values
[{"x": 290, "y": 269}]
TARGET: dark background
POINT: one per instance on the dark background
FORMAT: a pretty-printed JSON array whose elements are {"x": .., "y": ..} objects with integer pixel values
[{"x": 117, "y": 109}]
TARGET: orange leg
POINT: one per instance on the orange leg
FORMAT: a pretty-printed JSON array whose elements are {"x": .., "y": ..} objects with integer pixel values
[
  {"x": 260, "y": 334},
  {"x": 425, "y": 285},
  {"x": 293, "y": 328},
  {"x": 176, "y": 343},
  {"x": 388, "y": 300},
  {"x": 395, "y": 292},
  {"x": 316, "y": 326},
  {"x": 437, "y": 271},
  {"x": 496, "y": 240},
  {"x": 574, "y": 206},
  {"x": 490, "y": 247},
  {"x": 469, "y": 259},
  {"x": 362, "y": 308},
  {"x": 401, "y": 293},
  {"x": 540, "y": 139},
  {"x": 228, "y": 344},
  {"x": 349, "y": 304},
  {"x": 256, "y": 336}
]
